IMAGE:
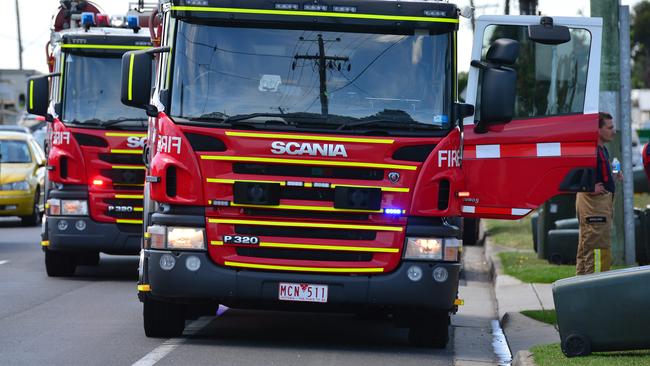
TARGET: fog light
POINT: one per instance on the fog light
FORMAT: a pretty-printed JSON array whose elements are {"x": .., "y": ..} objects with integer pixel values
[
  {"x": 440, "y": 274},
  {"x": 192, "y": 263},
  {"x": 10, "y": 207},
  {"x": 80, "y": 225},
  {"x": 62, "y": 225},
  {"x": 167, "y": 262},
  {"x": 414, "y": 273}
]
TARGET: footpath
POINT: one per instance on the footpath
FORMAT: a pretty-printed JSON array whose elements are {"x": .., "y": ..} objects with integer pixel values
[{"x": 513, "y": 296}]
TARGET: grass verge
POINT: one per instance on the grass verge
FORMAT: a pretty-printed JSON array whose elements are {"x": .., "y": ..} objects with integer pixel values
[
  {"x": 526, "y": 267},
  {"x": 515, "y": 234},
  {"x": 545, "y": 316},
  {"x": 551, "y": 355}
]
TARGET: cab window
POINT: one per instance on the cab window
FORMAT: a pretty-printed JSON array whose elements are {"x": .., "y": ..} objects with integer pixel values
[{"x": 551, "y": 79}]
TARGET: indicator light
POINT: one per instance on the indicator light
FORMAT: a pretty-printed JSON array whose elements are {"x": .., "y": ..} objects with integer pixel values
[
  {"x": 392, "y": 211},
  {"x": 463, "y": 194},
  {"x": 321, "y": 185},
  {"x": 434, "y": 13},
  {"x": 220, "y": 203},
  {"x": 98, "y": 182},
  {"x": 315, "y": 7},
  {"x": 345, "y": 9},
  {"x": 294, "y": 184}
]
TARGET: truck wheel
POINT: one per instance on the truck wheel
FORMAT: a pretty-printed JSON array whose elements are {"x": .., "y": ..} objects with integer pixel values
[
  {"x": 432, "y": 333},
  {"x": 163, "y": 319},
  {"x": 59, "y": 264},
  {"x": 471, "y": 231},
  {"x": 576, "y": 345}
]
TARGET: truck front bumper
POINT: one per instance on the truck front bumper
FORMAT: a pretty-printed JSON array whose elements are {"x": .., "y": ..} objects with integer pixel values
[
  {"x": 82, "y": 234},
  {"x": 259, "y": 289}
]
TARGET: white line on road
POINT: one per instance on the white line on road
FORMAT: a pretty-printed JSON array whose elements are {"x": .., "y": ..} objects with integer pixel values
[
  {"x": 169, "y": 345},
  {"x": 4, "y": 262}
]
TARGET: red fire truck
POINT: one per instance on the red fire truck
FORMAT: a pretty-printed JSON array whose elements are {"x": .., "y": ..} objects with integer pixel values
[
  {"x": 313, "y": 155},
  {"x": 95, "y": 170}
]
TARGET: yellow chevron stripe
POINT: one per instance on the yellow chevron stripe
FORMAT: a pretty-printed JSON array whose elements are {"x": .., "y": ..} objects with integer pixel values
[
  {"x": 128, "y": 221},
  {"x": 307, "y": 137},
  {"x": 306, "y": 208},
  {"x": 304, "y": 269},
  {"x": 125, "y": 151},
  {"x": 130, "y": 196},
  {"x": 306, "y": 224},
  {"x": 308, "y": 162},
  {"x": 129, "y": 167}
]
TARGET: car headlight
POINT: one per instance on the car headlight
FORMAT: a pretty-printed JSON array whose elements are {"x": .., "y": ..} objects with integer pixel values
[
  {"x": 176, "y": 238},
  {"x": 22, "y": 185},
  {"x": 67, "y": 207},
  {"x": 446, "y": 249}
]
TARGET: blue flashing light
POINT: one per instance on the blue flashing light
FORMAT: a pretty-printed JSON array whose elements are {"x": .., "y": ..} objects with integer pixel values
[
  {"x": 392, "y": 211},
  {"x": 87, "y": 19},
  {"x": 132, "y": 21}
]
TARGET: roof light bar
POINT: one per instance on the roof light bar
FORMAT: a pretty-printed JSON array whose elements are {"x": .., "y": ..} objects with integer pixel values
[{"x": 87, "y": 19}]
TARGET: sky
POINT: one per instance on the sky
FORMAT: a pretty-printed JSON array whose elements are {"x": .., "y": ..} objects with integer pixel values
[{"x": 36, "y": 15}]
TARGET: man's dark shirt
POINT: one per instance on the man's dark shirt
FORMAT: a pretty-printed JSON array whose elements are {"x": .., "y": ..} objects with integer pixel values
[{"x": 604, "y": 169}]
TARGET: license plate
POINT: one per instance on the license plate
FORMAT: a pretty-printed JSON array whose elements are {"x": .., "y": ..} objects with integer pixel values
[{"x": 302, "y": 292}]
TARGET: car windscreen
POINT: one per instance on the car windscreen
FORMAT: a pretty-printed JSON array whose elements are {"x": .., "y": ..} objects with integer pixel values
[
  {"x": 92, "y": 91},
  {"x": 338, "y": 78},
  {"x": 14, "y": 151}
]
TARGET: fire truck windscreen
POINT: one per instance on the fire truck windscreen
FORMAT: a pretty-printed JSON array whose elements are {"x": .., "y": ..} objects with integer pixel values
[
  {"x": 92, "y": 92},
  {"x": 340, "y": 78}
]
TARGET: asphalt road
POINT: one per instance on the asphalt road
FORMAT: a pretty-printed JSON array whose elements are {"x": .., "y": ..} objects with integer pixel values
[{"x": 94, "y": 318}]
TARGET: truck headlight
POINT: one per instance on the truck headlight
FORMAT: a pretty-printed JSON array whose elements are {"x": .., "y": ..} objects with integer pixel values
[
  {"x": 74, "y": 207},
  {"x": 58, "y": 207},
  {"x": 446, "y": 249},
  {"x": 185, "y": 238},
  {"x": 176, "y": 238},
  {"x": 22, "y": 185}
]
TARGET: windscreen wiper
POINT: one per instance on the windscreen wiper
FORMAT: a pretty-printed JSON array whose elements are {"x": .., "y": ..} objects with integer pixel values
[
  {"x": 388, "y": 123},
  {"x": 120, "y": 120}
]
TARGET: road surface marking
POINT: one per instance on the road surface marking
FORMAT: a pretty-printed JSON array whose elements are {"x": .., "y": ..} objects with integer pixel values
[{"x": 169, "y": 345}]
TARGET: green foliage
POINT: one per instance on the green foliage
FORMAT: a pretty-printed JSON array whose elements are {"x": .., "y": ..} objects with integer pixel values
[
  {"x": 551, "y": 355},
  {"x": 640, "y": 33},
  {"x": 526, "y": 267},
  {"x": 545, "y": 316},
  {"x": 515, "y": 234},
  {"x": 462, "y": 84}
]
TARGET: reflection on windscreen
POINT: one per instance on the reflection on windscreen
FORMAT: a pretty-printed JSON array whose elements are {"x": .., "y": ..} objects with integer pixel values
[
  {"x": 238, "y": 71},
  {"x": 14, "y": 151},
  {"x": 92, "y": 90}
]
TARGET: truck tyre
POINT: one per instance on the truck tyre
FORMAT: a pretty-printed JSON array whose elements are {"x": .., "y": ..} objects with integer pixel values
[
  {"x": 471, "y": 232},
  {"x": 35, "y": 217},
  {"x": 59, "y": 264},
  {"x": 432, "y": 333},
  {"x": 163, "y": 319},
  {"x": 576, "y": 345}
]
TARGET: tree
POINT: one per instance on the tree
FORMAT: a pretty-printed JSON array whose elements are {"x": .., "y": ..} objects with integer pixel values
[
  {"x": 528, "y": 7},
  {"x": 640, "y": 34}
]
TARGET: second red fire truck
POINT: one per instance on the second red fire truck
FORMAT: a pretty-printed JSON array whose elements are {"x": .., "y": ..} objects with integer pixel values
[{"x": 95, "y": 172}]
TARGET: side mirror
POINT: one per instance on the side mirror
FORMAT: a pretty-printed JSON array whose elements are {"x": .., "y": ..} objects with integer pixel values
[
  {"x": 547, "y": 33},
  {"x": 498, "y": 83},
  {"x": 136, "y": 79},
  {"x": 38, "y": 90}
]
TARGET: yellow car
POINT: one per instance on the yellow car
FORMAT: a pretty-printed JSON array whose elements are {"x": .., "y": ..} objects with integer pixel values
[{"x": 22, "y": 175}]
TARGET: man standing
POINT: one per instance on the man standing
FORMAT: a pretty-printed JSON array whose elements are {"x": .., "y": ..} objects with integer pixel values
[{"x": 595, "y": 209}]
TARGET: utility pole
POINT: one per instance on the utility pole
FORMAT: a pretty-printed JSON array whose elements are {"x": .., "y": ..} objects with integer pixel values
[
  {"x": 610, "y": 86},
  {"x": 323, "y": 61},
  {"x": 528, "y": 7},
  {"x": 626, "y": 135},
  {"x": 20, "y": 39}
]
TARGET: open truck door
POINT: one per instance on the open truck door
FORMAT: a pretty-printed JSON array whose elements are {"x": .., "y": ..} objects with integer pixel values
[{"x": 529, "y": 143}]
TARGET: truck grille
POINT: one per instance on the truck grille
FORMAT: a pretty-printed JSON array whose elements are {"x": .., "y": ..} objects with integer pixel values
[
  {"x": 310, "y": 255},
  {"x": 308, "y": 171}
]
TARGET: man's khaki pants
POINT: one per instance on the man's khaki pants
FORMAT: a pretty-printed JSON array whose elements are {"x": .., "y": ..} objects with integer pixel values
[{"x": 595, "y": 213}]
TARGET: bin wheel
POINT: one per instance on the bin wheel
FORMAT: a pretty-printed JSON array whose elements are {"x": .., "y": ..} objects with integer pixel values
[
  {"x": 59, "y": 264},
  {"x": 576, "y": 345},
  {"x": 430, "y": 333},
  {"x": 555, "y": 258},
  {"x": 163, "y": 319}
]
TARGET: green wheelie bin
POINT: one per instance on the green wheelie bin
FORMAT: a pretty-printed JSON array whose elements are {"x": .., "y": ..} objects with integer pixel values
[{"x": 608, "y": 311}]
